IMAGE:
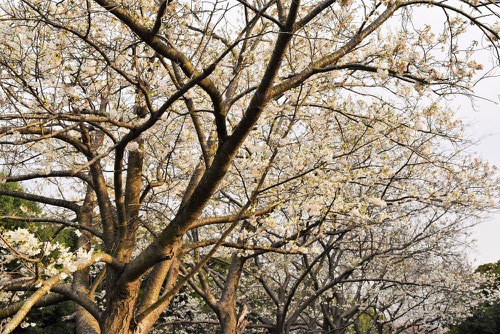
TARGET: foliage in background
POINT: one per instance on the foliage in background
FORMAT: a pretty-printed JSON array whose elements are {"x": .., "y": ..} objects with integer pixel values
[
  {"x": 48, "y": 319},
  {"x": 486, "y": 317}
]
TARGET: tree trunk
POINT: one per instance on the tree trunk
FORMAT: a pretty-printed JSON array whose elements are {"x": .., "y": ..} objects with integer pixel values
[
  {"x": 228, "y": 321},
  {"x": 226, "y": 307},
  {"x": 85, "y": 323},
  {"x": 173, "y": 272},
  {"x": 122, "y": 296},
  {"x": 120, "y": 309}
]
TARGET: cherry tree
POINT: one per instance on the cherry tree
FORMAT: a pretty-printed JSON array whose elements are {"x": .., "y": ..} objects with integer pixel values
[
  {"x": 369, "y": 247},
  {"x": 193, "y": 145}
]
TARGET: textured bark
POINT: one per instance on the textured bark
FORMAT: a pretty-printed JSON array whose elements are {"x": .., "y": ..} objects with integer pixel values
[
  {"x": 101, "y": 191},
  {"x": 158, "y": 275},
  {"x": 145, "y": 325},
  {"x": 122, "y": 296},
  {"x": 132, "y": 206},
  {"x": 50, "y": 299},
  {"x": 228, "y": 321},
  {"x": 121, "y": 309},
  {"x": 153, "y": 284},
  {"x": 226, "y": 307},
  {"x": 85, "y": 323}
]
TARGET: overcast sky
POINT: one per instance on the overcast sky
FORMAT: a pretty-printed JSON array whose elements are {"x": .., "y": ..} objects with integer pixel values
[{"x": 484, "y": 118}]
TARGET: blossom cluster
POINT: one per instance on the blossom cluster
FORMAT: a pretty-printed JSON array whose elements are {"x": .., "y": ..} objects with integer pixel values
[{"x": 53, "y": 257}]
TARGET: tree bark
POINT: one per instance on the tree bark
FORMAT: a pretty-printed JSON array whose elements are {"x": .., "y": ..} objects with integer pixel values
[
  {"x": 85, "y": 323},
  {"x": 121, "y": 309},
  {"x": 173, "y": 272},
  {"x": 226, "y": 307},
  {"x": 228, "y": 321},
  {"x": 122, "y": 296}
]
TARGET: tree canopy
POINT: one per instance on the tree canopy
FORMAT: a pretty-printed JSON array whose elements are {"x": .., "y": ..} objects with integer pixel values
[
  {"x": 234, "y": 166},
  {"x": 485, "y": 318}
]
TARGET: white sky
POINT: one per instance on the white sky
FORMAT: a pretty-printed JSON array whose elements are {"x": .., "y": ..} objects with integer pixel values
[{"x": 484, "y": 118}]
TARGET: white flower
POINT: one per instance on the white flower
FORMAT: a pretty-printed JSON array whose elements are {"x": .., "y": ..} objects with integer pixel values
[
  {"x": 419, "y": 125},
  {"x": 315, "y": 249},
  {"x": 377, "y": 202},
  {"x": 133, "y": 146},
  {"x": 71, "y": 268},
  {"x": 72, "y": 92},
  {"x": 496, "y": 27},
  {"x": 384, "y": 74}
]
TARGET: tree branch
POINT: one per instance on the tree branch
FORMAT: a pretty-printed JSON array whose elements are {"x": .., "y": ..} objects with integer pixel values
[
  {"x": 42, "y": 199},
  {"x": 50, "y": 299},
  {"x": 54, "y": 220},
  {"x": 61, "y": 173},
  {"x": 159, "y": 15}
]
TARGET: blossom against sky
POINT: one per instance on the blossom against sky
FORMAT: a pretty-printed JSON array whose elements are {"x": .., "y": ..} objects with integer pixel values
[{"x": 484, "y": 119}]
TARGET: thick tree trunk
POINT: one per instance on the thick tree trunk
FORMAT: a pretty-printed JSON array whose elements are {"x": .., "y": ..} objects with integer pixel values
[
  {"x": 228, "y": 321},
  {"x": 122, "y": 296},
  {"x": 173, "y": 272},
  {"x": 226, "y": 307},
  {"x": 85, "y": 323},
  {"x": 120, "y": 309}
]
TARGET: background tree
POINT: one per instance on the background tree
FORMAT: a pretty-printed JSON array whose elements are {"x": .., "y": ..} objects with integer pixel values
[
  {"x": 169, "y": 134},
  {"x": 485, "y": 318},
  {"x": 49, "y": 318}
]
